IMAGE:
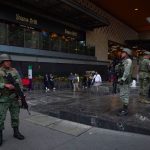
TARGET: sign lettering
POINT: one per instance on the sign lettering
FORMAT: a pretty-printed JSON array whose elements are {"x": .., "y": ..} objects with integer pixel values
[{"x": 25, "y": 19}]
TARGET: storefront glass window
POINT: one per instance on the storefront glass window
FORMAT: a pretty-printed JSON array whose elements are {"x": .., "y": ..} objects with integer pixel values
[
  {"x": 3, "y": 33},
  {"x": 44, "y": 40},
  {"x": 15, "y": 35},
  {"x": 31, "y": 39},
  {"x": 19, "y": 35}
]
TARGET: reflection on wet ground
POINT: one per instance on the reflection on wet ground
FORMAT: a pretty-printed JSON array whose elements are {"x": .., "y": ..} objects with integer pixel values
[{"x": 92, "y": 109}]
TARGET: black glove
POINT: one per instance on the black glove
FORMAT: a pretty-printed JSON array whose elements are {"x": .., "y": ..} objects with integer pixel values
[{"x": 121, "y": 82}]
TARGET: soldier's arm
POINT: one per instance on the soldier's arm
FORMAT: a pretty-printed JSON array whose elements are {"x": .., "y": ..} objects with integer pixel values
[
  {"x": 2, "y": 83},
  {"x": 127, "y": 69}
]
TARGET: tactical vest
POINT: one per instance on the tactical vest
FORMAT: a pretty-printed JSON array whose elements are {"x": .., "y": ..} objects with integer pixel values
[
  {"x": 5, "y": 92},
  {"x": 119, "y": 70}
]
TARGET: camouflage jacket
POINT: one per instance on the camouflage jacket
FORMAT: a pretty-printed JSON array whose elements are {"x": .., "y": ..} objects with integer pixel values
[
  {"x": 126, "y": 70},
  {"x": 144, "y": 69},
  {"x": 6, "y": 94}
]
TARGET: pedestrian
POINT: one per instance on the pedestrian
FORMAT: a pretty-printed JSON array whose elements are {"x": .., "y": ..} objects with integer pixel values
[
  {"x": 89, "y": 82},
  {"x": 96, "y": 81},
  {"x": 84, "y": 82},
  {"x": 51, "y": 82},
  {"x": 8, "y": 98},
  {"x": 70, "y": 78},
  {"x": 76, "y": 82},
  {"x": 124, "y": 79},
  {"x": 111, "y": 72},
  {"x": 144, "y": 78},
  {"x": 46, "y": 82}
]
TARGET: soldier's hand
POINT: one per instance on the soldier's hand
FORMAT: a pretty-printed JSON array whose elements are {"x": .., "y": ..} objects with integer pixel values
[
  {"x": 9, "y": 86},
  {"x": 121, "y": 82}
]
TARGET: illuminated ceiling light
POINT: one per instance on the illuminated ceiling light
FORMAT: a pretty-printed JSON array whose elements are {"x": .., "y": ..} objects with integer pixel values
[
  {"x": 136, "y": 9},
  {"x": 148, "y": 19}
]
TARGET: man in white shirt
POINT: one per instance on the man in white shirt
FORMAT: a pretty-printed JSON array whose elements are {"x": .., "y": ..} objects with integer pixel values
[
  {"x": 97, "y": 80},
  {"x": 76, "y": 83}
]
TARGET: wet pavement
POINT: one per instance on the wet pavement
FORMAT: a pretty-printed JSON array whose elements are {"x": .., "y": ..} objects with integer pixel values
[
  {"x": 43, "y": 132},
  {"x": 98, "y": 110}
]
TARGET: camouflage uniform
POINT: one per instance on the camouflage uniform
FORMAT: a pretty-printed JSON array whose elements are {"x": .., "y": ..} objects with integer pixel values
[
  {"x": 8, "y": 99},
  {"x": 144, "y": 78},
  {"x": 124, "y": 80}
]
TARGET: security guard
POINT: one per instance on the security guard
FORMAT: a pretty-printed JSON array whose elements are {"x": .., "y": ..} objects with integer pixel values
[
  {"x": 144, "y": 78},
  {"x": 124, "y": 80},
  {"x": 8, "y": 98}
]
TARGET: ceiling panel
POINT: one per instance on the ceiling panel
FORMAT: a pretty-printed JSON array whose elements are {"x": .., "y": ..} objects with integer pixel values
[
  {"x": 64, "y": 11},
  {"x": 124, "y": 11}
]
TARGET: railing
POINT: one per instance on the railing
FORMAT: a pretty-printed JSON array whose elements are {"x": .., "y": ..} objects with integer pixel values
[{"x": 16, "y": 35}]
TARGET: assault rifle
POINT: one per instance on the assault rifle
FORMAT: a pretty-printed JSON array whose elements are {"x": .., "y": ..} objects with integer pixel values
[
  {"x": 19, "y": 91},
  {"x": 119, "y": 70}
]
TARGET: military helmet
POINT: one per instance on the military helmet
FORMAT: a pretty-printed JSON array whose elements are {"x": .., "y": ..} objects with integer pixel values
[
  {"x": 4, "y": 57},
  {"x": 146, "y": 53},
  {"x": 127, "y": 50}
]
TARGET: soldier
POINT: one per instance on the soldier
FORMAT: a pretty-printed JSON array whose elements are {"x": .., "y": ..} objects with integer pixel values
[
  {"x": 124, "y": 79},
  {"x": 144, "y": 78},
  {"x": 8, "y": 98}
]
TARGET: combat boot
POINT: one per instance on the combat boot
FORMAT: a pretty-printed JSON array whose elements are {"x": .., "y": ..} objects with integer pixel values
[
  {"x": 1, "y": 137},
  {"x": 123, "y": 111},
  {"x": 17, "y": 134}
]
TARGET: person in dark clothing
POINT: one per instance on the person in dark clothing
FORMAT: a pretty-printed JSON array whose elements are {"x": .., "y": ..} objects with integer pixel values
[
  {"x": 84, "y": 81},
  {"x": 46, "y": 82},
  {"x": 51, "y": 82},
  {"x": 90, "y": 77},
  {"x": 70, "y": 78}
]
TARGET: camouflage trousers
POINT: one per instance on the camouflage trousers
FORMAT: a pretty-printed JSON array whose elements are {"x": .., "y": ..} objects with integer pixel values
[
  {"x": 124, "y": 93},
  {"x": 144, "y": 87},
  {"x": 14, "y": 109}
]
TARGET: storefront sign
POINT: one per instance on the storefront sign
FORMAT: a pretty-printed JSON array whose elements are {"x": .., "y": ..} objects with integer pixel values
[{"x": 26, "y": 19}]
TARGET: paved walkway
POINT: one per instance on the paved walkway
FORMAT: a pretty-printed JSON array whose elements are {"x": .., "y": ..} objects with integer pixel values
[
  {"x": 48, "y": 133},
  {"x": 96, "y": 110}
]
